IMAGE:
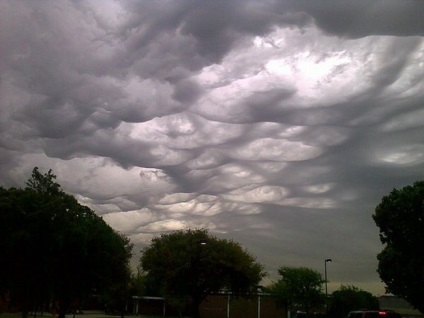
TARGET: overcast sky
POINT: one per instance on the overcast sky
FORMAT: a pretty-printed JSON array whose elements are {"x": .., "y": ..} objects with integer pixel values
[{"x": 279, "y": 124}]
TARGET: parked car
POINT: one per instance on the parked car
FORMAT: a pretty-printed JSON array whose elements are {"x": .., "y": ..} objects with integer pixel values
[{"x": 373, "y": 314}]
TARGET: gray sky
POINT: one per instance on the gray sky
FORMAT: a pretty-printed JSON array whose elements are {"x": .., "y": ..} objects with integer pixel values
[{"x": 279, "y": 124}]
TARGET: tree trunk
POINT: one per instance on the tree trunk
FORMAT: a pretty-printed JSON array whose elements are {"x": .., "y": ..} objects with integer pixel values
[
  {"x": 63, "y": 308},
  {"x": 196, "y": 307},
  {"x": 196, "y": 311}
]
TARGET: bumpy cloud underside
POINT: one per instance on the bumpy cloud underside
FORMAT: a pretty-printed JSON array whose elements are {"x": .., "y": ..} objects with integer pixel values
[{"x": 280, "y": 124}]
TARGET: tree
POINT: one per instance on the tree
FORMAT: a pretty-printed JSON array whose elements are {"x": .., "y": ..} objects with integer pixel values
[
  {"x": 349, "y": 298},
  {"x": 299, "y": 287},
  {"x": 192, "y": 264},
  {"x": 56, "y": 248},
  {"x": 25, "y": 232},
  {"x": 400, "y": 217}
]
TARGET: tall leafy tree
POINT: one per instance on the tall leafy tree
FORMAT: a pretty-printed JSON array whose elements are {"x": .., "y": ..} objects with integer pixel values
[
  {"x": 299, "y": 287},
  {"x": 192, "y": 264},
  {"x": 349, "y": 298},
  {"x": 56, "y": 248},
  {"x": 400, "y": 217},
  {"x": 23, "y": 237}
]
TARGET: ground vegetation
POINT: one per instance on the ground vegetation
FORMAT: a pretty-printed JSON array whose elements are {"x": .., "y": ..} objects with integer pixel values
[{"x": 188, "y": 265}]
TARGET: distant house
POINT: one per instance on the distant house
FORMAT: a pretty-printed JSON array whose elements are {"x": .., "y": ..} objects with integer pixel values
[{"x": 399, "y": 305}]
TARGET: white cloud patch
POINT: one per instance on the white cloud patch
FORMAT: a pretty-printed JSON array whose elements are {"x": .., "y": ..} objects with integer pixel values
[
  {"x": 319, "y": 188},
  {"x": 404, "y": 155},
  {"x": 262, "y": 194},
  {"x": 273, "y": 149},
  {"x": 129, "y": 221}
]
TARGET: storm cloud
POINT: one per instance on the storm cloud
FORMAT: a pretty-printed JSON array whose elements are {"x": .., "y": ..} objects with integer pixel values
[{"x": 279, "y": 124}]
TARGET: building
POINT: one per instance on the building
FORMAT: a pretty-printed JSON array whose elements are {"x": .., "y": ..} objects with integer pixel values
[{"x": 215, "y": 306}]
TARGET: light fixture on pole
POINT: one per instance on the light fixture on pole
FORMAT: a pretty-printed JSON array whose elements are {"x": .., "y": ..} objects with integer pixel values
[{"x": 326, "y": 293}]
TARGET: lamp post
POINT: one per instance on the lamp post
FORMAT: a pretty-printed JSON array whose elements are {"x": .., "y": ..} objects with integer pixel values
[
  {"x": 325, "y": 275},
  {"x": 196, "y": 268}
]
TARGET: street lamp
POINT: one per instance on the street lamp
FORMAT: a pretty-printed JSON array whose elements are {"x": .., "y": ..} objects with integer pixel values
[{"x": 325, "y": 273}]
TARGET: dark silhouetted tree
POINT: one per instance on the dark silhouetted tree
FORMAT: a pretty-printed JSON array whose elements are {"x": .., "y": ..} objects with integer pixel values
[
  {"x": 192, "y": 264},
  {"x": 299, "y": 287},
  {"x": 56, "y": 248},
  {"x": 400, "y": 217},
  {"x": 349, "y": 298}
]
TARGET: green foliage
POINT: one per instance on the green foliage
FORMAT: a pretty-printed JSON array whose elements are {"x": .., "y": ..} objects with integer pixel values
[
  {"x": 138, "y": 283},
  {"x": 193, "y": 263},
  {"x": 349, "y": 298},
  {"x": 400, "y": 217},
  {"x": 55, "y": 247},
  {"x": 299, "y": 287},
  {"x": 43, "y": 183},
  {"x": 118, "y": 294}
]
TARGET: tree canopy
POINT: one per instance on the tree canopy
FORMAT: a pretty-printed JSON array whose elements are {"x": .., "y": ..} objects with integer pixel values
[
  {"x": 400, "y": 217},
  {"x": 349, "y": 298},
  {"x": 56, "y": 249},
  {"x": 300, "y": 287},
  {"x": 192, "y": 264}
]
